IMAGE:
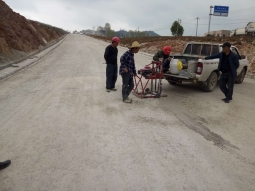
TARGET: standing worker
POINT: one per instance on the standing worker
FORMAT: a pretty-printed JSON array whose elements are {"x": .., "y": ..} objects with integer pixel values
[
  {"x": 163, "y": 56},
  {"x": 111, "y": 56},
  {"x": 229, "y": 63},
  {"x": 127, "y": 71}
]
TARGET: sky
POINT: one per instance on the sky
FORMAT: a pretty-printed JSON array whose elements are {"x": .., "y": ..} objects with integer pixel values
[{"x": 156, "y": 15}]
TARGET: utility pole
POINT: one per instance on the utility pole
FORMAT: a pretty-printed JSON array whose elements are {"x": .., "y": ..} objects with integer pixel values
[
  {"x": 179, "y": 22},
  {"x": 210, "y": 16},
  {"x": 197, "y": 24},
  {"x": 177, "y": 27}
]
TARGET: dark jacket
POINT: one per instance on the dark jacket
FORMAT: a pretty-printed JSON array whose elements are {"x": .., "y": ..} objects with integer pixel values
[
  {"x": 160, "y": 54},
  {"x": 111, "y": 55},
  {"x": 233, "y": 61},
  {"x": 127, "y": 61}
]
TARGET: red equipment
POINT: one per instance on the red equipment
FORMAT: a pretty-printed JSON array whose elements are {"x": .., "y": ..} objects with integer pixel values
[{"x": 153, "y": 73}]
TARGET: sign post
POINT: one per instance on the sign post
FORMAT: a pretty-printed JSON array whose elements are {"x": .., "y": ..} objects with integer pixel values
[
  {"x": 210, "y": 16},
  {"x": 221, "y": 11},
  {"x": 218, "y": 11}
]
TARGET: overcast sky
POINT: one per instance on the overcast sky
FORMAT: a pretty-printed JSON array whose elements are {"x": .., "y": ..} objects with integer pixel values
[{"x": 157, "y": 15}]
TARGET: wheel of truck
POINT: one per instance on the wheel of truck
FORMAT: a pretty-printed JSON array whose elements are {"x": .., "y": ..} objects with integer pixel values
[
  {"x": 211, "y": 82},
  {"x": 158, "y": 96},
  {"x": 172, "y": 83},
  {"x": 241, "y": 76}
]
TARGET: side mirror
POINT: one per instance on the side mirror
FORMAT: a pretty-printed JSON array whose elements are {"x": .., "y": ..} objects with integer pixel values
[{"x": 243, "y": 57}]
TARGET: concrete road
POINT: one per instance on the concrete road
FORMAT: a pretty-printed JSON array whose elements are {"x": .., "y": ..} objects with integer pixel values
[{"x": 62, "y": 131}]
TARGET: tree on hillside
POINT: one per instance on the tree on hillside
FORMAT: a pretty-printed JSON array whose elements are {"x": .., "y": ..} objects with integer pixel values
[
  {"x": 111, "y": 33},
  {"x": 107, "y": 26},
  {"x": 177, "y": 29},
  {"x": 100, "y": 31},
  {"x": 100, "y": 28},
  {"x": 107, "y": 29}
]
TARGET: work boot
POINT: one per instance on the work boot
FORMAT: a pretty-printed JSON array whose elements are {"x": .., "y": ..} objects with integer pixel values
[
  {"x": 226, "y": 100},
  {"x": 113, "y": 89},
  {"x": 4, "y": 164},
  {"x": 127, "y": 101},
  {"x": 108, "y": 90}
]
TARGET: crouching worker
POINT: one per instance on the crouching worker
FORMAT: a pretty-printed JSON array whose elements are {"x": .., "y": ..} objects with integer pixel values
[
  {"x": 127, "y": 71},
  {"x": 163, "y": 56}
]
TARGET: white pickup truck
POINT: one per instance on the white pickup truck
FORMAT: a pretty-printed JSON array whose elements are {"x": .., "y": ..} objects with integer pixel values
[{"x": 203, "y": 72}]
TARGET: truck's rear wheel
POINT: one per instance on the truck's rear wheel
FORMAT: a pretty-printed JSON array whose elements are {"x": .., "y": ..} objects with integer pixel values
[
  {"x": 241, "y": 76},
  {"x": 211, "y": 82},
  {"x": 172, "y": 83}
]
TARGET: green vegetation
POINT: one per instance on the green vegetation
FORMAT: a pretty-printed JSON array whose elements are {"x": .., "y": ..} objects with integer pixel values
[{"x": 177, "y": 29}]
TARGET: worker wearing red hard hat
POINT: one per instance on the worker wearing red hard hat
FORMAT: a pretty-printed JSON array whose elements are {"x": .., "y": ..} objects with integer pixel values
[
  {"x": 111, "y": 57},
  {"x": 164, "y": 56}
]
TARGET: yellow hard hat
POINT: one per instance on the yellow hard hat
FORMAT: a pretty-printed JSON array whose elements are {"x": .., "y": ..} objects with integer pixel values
[{"x": 135, "y": 44}]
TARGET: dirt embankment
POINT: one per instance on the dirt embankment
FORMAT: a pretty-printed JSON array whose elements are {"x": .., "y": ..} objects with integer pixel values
[
  {"x": 246, "y": 45},
  {"x": 19, "y": 36}
]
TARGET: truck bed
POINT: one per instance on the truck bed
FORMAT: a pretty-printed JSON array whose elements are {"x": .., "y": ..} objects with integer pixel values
[
  {"x": 189, "y": 69},
  {"x": 176, "y": 75}
]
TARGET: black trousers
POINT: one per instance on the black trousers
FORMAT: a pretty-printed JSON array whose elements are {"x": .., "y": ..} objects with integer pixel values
[
  {"x": 166, "y": 65},
  {"x": 127, "y": 85},
  {"x": 227, "y": 84},
  {"x": 111, "y": 75}
]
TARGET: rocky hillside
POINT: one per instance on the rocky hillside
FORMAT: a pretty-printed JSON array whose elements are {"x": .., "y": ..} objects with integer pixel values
[
  {"x": 245, "y": 44},
  {"x": 19, "y": 36}
]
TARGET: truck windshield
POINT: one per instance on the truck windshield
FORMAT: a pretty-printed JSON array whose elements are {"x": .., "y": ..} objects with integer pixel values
[
  {"x": 201, "y": 49},
  {"x": 215, "y": 50},
  {"x": 193, "y": 49},
  {"x": 196, "y": 49},
  {"x": 206, "y": 50},
  {"x": 188, "y": 49}
]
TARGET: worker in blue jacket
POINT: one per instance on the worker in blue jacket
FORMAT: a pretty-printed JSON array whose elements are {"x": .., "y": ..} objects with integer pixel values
[{"x": 229, "y": 63}]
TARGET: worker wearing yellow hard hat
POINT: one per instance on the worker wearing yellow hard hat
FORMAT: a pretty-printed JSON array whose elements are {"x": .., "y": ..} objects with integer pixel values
[{"x": 128, "y": 70}]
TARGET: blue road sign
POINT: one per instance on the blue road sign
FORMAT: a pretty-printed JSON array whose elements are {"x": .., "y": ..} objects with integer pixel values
[{"x": 221, "y": 11}]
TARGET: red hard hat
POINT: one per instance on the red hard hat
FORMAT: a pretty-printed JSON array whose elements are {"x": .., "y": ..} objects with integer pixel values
[
  {"x": 167, "y": 50},
  {"x": 115, "y": 39}
]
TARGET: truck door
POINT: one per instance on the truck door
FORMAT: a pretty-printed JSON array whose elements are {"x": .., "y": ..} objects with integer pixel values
[{"x": 241, "y": 61}]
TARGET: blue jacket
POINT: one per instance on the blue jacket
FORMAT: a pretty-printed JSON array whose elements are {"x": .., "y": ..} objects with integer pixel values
[{"x": 233, "y": 60}]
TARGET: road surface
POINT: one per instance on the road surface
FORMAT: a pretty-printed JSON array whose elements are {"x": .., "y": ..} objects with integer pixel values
[{"x": 62, "y": 131}]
